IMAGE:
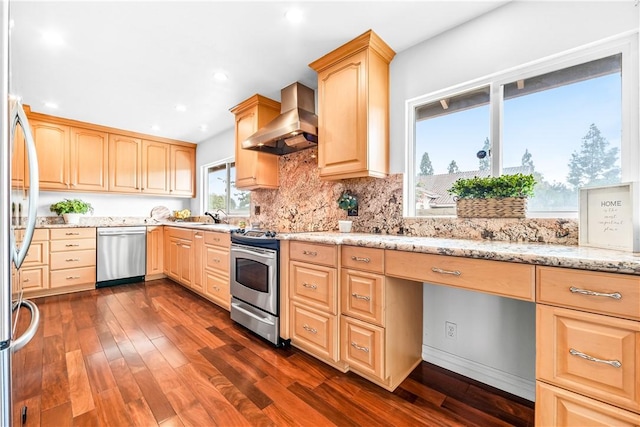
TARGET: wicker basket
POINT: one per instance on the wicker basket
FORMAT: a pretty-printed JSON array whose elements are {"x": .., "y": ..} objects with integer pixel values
[{"x": 508, "y": 207}]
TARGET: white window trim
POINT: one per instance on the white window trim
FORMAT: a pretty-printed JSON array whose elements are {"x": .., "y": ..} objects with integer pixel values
[
  {"x": 625, "y": 43},
  {"x": 205, "y": 182}
]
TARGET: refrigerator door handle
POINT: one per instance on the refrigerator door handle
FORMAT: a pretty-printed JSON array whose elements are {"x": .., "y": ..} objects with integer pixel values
[
  {"x": 20, "y": 342},
  {"x": 18, "y": 116}
]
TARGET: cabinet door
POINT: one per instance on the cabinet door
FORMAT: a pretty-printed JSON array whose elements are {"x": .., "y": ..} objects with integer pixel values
[
  {"x": 342, "y": 117},
  {"x": 89, "y": 159},
  {"x": 155, "y": 167},
  {"x": 18, "y": 160},
  {"x": 185, "y": 263},
  {"x": 253, "y": 169},
  {"x": 182, "y": 171},
  {"x": 52, "y": 147},
  {"x": 124, "y": 164},
  {"x": 155, "y": 251},
  {"x": 173, "y": 259}
]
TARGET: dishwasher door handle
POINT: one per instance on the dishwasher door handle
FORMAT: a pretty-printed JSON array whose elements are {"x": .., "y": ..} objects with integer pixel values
[{"x": 119, "y": 233}]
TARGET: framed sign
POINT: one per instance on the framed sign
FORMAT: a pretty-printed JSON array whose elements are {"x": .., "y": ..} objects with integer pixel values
[{"x": 609, "y": 217}]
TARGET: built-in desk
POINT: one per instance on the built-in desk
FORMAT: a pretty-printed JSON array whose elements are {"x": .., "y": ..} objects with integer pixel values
[{"x": 587, "y": 313}]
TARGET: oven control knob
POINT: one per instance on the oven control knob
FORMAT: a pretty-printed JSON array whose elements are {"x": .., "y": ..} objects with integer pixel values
[{"x": 270, "y": 234}]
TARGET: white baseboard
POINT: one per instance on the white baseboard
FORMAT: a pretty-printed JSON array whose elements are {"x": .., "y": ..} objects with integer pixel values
[{"x": 485, "y": 374}]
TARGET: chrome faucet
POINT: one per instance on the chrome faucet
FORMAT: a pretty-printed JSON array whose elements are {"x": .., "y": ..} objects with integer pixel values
[{"x": 216, "y": 217}]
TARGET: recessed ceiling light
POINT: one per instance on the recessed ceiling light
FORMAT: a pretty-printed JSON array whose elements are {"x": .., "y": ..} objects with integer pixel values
[
  {"x": 294, "y": 15},
  {"x": 203, "y": 127},
  {"x": 52, "y": 38},
  {"x": 220, "y": 76},
  {"x": 51, "y": 105},
  {"x": 155, "y": 127},
  {"x": 181, "y": 107}
]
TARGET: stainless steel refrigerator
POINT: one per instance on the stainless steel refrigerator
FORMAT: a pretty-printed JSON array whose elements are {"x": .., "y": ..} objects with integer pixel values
[{"x": 13, "y": 250}]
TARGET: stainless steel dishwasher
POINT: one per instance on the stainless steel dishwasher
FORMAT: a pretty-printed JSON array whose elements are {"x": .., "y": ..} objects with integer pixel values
[{"x": 122, "y": 255}]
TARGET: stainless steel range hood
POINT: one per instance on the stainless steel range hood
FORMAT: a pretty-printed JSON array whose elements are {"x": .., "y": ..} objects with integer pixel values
[{"x": 295, "y": 129}]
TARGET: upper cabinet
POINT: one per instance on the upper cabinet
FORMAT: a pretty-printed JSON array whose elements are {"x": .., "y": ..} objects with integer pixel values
[
  {"x": 82, "y": 156},
  {"x": 353, "y": 109},
  {"x": 254, "y": 169}
]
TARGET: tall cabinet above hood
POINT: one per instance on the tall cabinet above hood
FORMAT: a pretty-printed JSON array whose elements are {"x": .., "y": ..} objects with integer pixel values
[{"x": 295, "y": 129}]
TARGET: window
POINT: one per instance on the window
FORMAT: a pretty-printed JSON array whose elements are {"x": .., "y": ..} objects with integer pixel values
[
  {"x": 563, "y": 121},
  {"x": 221, "y": 192}
]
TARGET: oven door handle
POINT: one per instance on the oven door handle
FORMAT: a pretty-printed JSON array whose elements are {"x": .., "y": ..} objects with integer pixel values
[
  {"x": 250, "y": 314},
  {"x": 252, "y": 253}
]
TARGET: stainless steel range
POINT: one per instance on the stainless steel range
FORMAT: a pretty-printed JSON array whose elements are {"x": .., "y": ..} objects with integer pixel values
[{"x": 255, "y": 282}]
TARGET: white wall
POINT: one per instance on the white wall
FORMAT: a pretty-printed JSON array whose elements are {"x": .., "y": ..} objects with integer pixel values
[
  {"x": 495, "y": 335},
  {"x": 219, "y": 147},
  {"x": 117, "y": 205}
]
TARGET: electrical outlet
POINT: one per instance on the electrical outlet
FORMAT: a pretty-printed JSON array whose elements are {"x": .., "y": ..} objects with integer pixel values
[
  {"x": 450, "y": 330},
  {"x": 256, "y": 210}
]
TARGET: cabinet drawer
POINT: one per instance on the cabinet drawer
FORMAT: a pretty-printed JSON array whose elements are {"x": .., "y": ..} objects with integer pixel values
[
  {"x": 590, "y": 354},
  {"x": 75, "y": 276},
  {"x": 217, "y": 239},
  {"x": 362, "y": 346},
  {"x": 367, "y": 259},
  {"x": 314, "y": 285},
  {"x": 73, "y": 245},
  {"x": 314, "y": 253},
  {"x": 180, "y": 233},
  {"x": 494, "y": 277},
  {"x": 72, "y": 233},
  {"x": 217, "y": 259},
  {"x": 40, "y": 234},
  {"x": 363, "y": 295},
  {"x": 35, "y": 278},
  {"x": 37, "y": 254},
  {"x": 314, "y": 331},
  {"x": 73, "y": 259},
  {"x": 607, "y": 293},
  {"x": 216, "y": 287},
  {"x": 559, "y": 407}
]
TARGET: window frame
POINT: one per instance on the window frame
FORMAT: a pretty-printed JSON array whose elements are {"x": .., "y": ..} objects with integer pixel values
[
  {"x": 626, "y": 44},
  {"x": 205, "y": 186}
]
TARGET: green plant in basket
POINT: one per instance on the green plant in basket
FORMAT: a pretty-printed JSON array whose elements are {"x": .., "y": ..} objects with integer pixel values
[
  {"x": 494, "y": 187},
  {"x": 72, "y": 206},
  {"x": 347, "y": 201}
]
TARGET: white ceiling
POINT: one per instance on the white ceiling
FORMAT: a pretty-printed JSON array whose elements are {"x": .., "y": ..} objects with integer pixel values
[{"x": 128, "y": 64}]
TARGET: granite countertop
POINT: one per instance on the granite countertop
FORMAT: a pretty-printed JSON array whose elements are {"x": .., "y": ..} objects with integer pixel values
[{"x": 579, "y": 257}]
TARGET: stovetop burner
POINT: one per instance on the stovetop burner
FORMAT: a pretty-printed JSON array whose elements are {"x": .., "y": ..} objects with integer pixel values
[{"x": 255, "y": 237}]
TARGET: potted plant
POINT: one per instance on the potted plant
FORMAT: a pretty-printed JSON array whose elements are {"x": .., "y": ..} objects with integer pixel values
[
  {"x": 71, "y": 209},
  {"x": 502, "y": 196},
  {"x": 349, "y": 203}
]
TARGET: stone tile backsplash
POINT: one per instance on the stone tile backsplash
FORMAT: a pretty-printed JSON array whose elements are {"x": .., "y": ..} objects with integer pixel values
[{"x": 304, "y": 202}]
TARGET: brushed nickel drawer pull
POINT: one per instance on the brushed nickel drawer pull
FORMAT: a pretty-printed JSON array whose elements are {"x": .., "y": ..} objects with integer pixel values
[
  {"x": 217, "y": 239},
  {"x": 25, "y": 280},
  {"x": 614, "y": 363},
  {"x": 362, "y": 297},
  {"x": 310, "y": 329},
  {"x": 72, "y": 234},
  {"x": 310, "y": 253},
  {"x": 71, "y": 245},
  {"x": 357, "y": 347},
  {"x": 615, "y": 295},
  {"x": 360, "y": 259},
  {"x": 310, "y": 286},
  {"x": 72, "y": 277},
  {"x": 217, "y": 289},
  {"x": 72, "y": 259},
  {"x": 216, "y": 260},
  {"x": 441, "y": 271}
]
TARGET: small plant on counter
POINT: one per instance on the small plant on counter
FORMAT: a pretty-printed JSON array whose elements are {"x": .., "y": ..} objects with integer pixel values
[
  {"x": 349, "y": 203},
  {"x": 72, "y": 206}
]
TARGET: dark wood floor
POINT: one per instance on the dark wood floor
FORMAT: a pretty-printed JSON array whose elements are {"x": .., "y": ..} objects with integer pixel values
[{"x": 154, "y": 353}]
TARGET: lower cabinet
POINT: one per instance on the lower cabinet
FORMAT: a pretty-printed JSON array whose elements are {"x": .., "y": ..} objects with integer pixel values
[
  {"x": 155, "y": 253},
  {"x": 33, "y": 276},
  {"x": 314, "y": 331},
  {"x": 216, "y": 268}
]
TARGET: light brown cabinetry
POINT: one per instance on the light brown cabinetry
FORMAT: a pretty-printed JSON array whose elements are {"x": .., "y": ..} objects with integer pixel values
[
  {"x": 72, "y": 259},
  {"x": 313, "y": 300},
  {"x": 382, "y": 350},
  {"x": 18, "y": 160},
  {"x": 82, "y": 156},
  {"x": 34, "y": 272},
  {"x": 198, "y": 261},
  {"x": 216, "y": 268},
  {"x": 155, "y": 253},
  {"x": 587, "y": 340},
  {"x": 254, "y": 169},
  {"x": 353, "y": 109},
  {"x": 178, "y": 262}
]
